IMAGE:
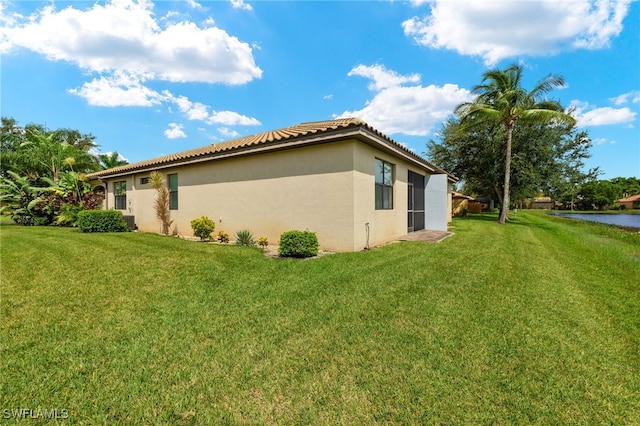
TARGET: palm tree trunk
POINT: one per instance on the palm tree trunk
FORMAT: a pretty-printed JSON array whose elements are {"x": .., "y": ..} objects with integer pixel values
[{"x": 504, "y": 212}]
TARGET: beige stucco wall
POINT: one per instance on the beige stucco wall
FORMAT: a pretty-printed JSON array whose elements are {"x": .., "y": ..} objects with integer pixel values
[
  {"x": 384, "y": 225},
  {"x": 327, "y": 189}
]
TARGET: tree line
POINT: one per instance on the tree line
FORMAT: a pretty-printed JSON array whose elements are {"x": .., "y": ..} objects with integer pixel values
[
  {"x": 512, "y": 144},
  {"x": 43, "y": 173}
]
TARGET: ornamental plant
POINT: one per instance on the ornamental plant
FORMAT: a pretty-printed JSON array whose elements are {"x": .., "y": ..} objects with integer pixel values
[
  {"x": 203, "y": 227},
  {"x": 245, "y": 238},
  {"x": 298, "y": 244},
  {"x": 222, "y": 237},
  {"x": 161, "y": 204},
  {"x": 263, "y": 242}
]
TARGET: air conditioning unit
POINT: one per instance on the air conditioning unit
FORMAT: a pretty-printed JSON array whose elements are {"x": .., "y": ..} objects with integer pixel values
[{"x": 131, "y": 222}]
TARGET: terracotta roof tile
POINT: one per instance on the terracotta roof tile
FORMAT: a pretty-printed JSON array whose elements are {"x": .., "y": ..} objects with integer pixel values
[
  {"x": 629, "y": 199},
  {"x": 293, "y": 133}
]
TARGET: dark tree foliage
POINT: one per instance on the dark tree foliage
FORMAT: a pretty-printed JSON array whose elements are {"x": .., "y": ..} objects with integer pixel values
[
  {"x": 600, "y": 194},
  {"x": 544, "y": 157},
  {"x": 38, "y": 153},
  {"x": 500, "y": 98},
  {"x": 43, "y": 173}
]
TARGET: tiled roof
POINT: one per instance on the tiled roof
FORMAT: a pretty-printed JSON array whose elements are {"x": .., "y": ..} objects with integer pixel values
[
  {"x": 303, "y": 132},
  {"x": 461, "y": 196},
  {"x": 630, "y": 199}
]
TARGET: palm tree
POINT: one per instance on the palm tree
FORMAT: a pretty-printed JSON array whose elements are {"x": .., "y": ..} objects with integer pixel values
[
  {"x": 500, "y": 98},
  {"x": 111, "y": 160}
]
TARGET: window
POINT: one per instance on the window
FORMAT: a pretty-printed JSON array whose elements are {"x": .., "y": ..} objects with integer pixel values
[
  {"x": 384, "y": 185},
  {"x": 144, "y": 180},
  {"x": 120, "y": 192},
  {"x": 173, "y": 192}
]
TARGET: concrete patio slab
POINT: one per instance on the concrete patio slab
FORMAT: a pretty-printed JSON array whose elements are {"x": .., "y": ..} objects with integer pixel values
[{"x": 426, "y": 235}]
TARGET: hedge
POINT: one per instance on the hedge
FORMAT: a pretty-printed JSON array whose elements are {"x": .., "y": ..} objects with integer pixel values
[{"x": 101, "y": 221}]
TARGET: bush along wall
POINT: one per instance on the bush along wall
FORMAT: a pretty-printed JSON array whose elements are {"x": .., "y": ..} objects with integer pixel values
[
  {"x": 298, "y": 244},
  {"x": 203, "y": 227},
  {"x": 101, "y": 221}
]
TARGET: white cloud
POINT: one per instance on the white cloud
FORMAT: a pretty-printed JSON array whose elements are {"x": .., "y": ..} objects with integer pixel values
[
  {"x": 409, "y": 109},
  {"x": 632, "y": 96},
  {"x": 194, "y": 4},
  {"x": 603, "y": 116},
  {"x": 198, "y": 111},
  {"x": 230, "y": 118},
  {"x": 603, "y": 141},
  {"x": 123, "y": 89},
  {"x": 494, "y": 30},
  {"x": 240, "y": 4},
  {"x": 175, "y": 131},
  {"x": 228, "y": 133},
  {"x": 192, "y": 110},
  {"x": 124, "y": 35},
  {"x": 381, "y": 78},
  {"x": 120, "y": 89}
]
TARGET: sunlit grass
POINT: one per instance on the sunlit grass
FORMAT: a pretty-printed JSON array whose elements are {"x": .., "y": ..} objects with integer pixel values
[{"x": 536, "y": 321}]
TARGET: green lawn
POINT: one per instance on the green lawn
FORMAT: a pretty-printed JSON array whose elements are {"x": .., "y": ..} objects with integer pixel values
[{"x": 534, "y": 322}]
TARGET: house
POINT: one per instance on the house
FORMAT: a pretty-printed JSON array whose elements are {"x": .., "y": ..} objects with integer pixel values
[
  {"x": 541, "y": 203},
  {"x": 632, "y": 202},
  {"x": 481, "y": 204},
  {"x": 460, "y": 204},
  {"x": 344, "y": 180}
]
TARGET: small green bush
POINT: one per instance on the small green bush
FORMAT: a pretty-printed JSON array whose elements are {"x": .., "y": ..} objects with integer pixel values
[
  {"x": 298, "y": 244},
  {"x": 203, "y": 227},
  {"x": 101, "y": 221},
  {"x": 245, "y": 238}
]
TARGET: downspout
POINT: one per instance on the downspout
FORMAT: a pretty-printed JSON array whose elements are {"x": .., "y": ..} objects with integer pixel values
[{"x": 366, "y": 225}]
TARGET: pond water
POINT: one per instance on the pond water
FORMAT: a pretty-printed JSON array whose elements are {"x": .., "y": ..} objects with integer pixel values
[{"x": 627, "y": 220}]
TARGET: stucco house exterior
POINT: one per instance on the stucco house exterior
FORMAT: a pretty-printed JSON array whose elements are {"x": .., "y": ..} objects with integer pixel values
[
  {"x": 632, "y": 202},
  {"x": 344, "y": 180}
]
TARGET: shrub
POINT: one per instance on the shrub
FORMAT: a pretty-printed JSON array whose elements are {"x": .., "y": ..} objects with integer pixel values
[
  {"x": 298, "y": 244},
  {"x": 263, "y": 242},
  {"x": 245, "y": 238},
  {"x": 222, "y": 237},
  {"x": 203, "y": 227},
  {"x": 41, "y": 221},
  {"x": 68, "y": 215},
  {"x": 101, "y": 221},
  {"x": 162, "y": 204}
]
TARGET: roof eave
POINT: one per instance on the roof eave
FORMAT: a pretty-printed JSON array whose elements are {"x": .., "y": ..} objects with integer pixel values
[{"x": 360, "y": 131}]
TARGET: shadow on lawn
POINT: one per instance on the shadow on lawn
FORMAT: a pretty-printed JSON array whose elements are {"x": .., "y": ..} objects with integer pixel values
[{"x": 514, "y": 220}]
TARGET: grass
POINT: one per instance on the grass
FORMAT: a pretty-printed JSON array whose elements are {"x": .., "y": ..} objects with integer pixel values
[{"x": 537, "y": 321}]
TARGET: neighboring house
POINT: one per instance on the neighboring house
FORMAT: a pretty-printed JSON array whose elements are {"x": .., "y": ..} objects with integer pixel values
[
  {"x": 481, "y": 204},
  {"x": 460, "y": 204},
  {"x": 344, "y": 180},
  {"x": 632, "y": 202},
  {"x": 541, "y": 203}
]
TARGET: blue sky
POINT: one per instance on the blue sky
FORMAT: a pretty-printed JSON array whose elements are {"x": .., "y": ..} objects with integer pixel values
[{"x": 152, "y": 78}]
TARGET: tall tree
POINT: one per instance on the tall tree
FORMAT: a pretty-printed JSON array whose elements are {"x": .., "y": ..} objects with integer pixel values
[
  {"x": 501, "y": 99},
  {"x": 37, "y": 152},
  {"x": 568, "y": 174},
  {"x": 542, "y": 157},
  {"x": 111, "y": 160}
]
